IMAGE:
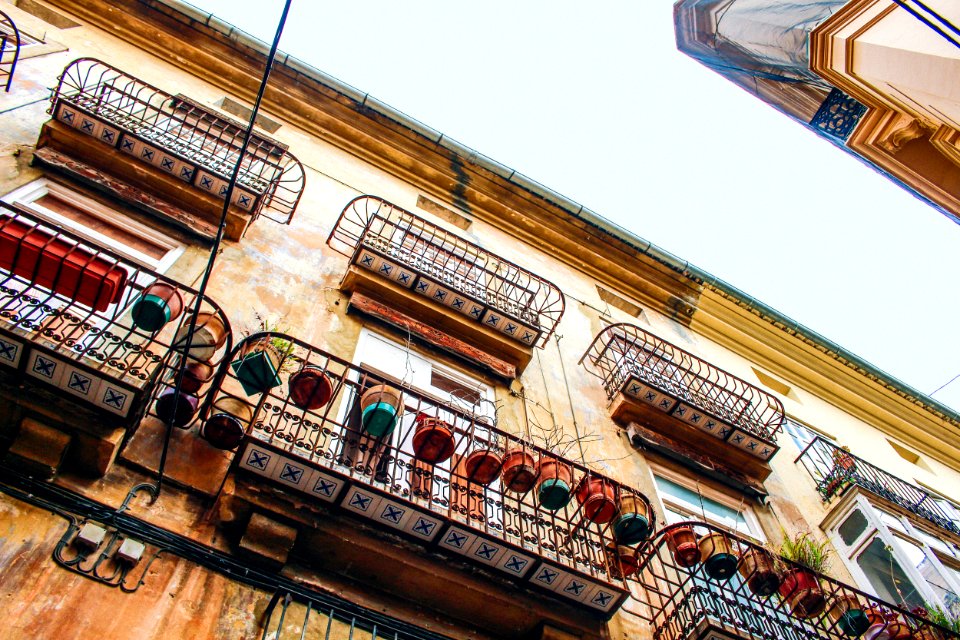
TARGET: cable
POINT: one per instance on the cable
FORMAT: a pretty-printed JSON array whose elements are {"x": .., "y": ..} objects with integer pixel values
[
  {"x": 215, "y": 249},
  {"x": 943, "y": 385},
  {"x": 916, "y": 14}
]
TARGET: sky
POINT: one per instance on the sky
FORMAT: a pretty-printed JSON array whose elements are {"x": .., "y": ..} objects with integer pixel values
[{"x": 594, "y": 101}]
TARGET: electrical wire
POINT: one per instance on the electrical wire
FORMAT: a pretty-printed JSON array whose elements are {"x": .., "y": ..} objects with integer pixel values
[
  {"x": 936, "y": 16},
  {"x": 214, "y": 250}
]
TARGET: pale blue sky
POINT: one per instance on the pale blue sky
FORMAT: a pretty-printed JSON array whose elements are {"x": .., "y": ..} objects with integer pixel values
[{"x": 593, "y": 101}]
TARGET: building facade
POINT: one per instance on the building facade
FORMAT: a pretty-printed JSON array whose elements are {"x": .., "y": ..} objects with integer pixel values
[
  {"x": 875, "y": 77},
  {"x": 422, "y": 396}
]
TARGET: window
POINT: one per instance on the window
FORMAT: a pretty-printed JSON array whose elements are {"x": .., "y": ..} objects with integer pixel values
[
  {"x": 91, "y": 220},
  {"x": 802, "y": 436},
  {"x": 897, "y": 559},
  {"x": 683, "y": 502}
]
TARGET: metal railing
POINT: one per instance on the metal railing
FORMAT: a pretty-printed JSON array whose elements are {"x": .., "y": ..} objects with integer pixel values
[
  {"x": 691, "y": 584},
  {"x": 463, "y": 490},
  {"x": 9, "y": 50},
  {"x": 287, "y": 617},
  {"x": 835, "y": 469},
  {"x": 179, "y": 136},
  {"x": 69, "y": 318},
  {"x": 490, "y": 285},
  {"x": 622, "y": 353}
]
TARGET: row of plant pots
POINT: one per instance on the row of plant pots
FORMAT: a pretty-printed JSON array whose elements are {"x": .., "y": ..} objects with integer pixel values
[{"x": 799, "y": 587}]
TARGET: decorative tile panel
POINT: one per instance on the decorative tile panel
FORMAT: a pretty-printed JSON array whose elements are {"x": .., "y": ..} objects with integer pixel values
[
  {"x": 701, "y": 420},
  {"x": 114, "y": 398},
  {"x": 649, "y": 395},
  {"x": 10, "y": 352},
  {"x": 80, "y": 383},
  {"x": 45, "y": 368}
]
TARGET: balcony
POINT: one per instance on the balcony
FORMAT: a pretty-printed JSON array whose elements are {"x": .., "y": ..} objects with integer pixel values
[
  {"x": 429, "y": 280},
  {"x": 682, "y": 403},
  {"x": 125, "y": 136},
  {"x": 84, "y": 327},
  {"x": 698, "y": 582},
  {"x": 835, "y": 471},
  {"x": 9, "y": 50},
  {"x": 426, "y": 469}
]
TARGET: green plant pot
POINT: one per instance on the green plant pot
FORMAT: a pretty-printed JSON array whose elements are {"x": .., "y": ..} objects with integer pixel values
[
  {"x": 379, "y": 419},
  {"x": 631, "y": 528},
  {"x": 554, "y": 494},
  {"x": 854, "y": 623},
  {"x": 257, "y": 371}
]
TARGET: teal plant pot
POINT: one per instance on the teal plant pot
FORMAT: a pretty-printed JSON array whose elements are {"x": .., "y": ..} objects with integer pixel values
[
  {"x": 379, "y": 419},
  {"x": 554, "y": 494},
  {"x": 159, "y": 304},
  {"x": 631, "y": 528},
  {"x": 257, "y": 371}
]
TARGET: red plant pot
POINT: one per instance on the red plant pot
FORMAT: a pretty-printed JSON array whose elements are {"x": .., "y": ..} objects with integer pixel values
[
  {"x": 683, "y": 545},
  {"x": 227, "y": 424},
  {"x": 310, "y": 388},
  {"x": 177, "y": 409},
  {"x": 195, "y": 375},
  {"x": 482, "y": 466},
  {"x": 519, "y": 473},
  {"x": 801, "y": 590},
  {"x": 432, "y": 440},
  {"x": 598, "y": 498}
]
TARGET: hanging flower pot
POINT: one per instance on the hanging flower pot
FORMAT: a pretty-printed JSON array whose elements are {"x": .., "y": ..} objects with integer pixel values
[
  {"x": 719, "y": 558},
  {"x": 843, "y": 461},
  {"x": 159, "y": 303},
  {"x": 682, "y": 542},
  {"x": 195, "y": 375},
  {"x": 847, "y": 613},
  {"x": 801, "y": 590},
  {"x": 626, "y": 558},
  {"x": 519, "y": 471},
  {"x": 176, "y": 408},
  {"x": 210, "y": 334},
  {"x": 482, "y": 466},
  {"x": 227, "y": 424},
  {"x": 310, "y": 388},
  {"x": 554, "y": 484},
  {"x": 432, "y": 440},
  {"x": 382, "y": 407},
  {"x": 757, "y": 567},
  {"x": 598, "y": 498},
  {"x": 632, "y": 523},
  {"x": 258, "y": 368}
]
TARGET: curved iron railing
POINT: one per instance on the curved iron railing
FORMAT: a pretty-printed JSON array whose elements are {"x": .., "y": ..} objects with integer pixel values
[
  {"x": 328, "y": 450},
  {"x": 179, "y": 136},
  {"x": 9, "y": 50},
  {"x": 624, "y": 353},
  {"x": 753, "y": 594},
  {"x": 439, "y": 258},
  {"x": 67, "y": 318},
  {"x": 835, "y": 469}
]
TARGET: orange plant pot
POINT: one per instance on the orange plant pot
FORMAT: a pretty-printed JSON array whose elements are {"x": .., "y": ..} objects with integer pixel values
[
  {"x": 519, "y": 472},
  {"x": 598, "y": 498}
]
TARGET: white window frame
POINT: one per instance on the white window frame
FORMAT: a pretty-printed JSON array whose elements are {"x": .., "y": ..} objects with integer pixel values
[
  {"x": 876, "y": 528},
  {"x": 672, "y": 503},
  {"x": 27, "y": 195}
]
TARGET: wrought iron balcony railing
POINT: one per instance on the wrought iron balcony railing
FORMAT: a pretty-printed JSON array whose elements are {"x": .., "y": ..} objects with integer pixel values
[
  {"x": 9, "y": 50},
  {"x": 420, "y": 256},
  {"x": 650, "y": 370},
  {"x": 835, "y": 470},
  {"x": 698, "y": 582},
  {"x": 175, "y": 135},
  {"x": 96, "y": 328},
  {"x": 425, "y": 467}
]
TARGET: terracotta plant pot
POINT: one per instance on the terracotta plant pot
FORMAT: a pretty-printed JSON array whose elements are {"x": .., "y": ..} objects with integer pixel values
[
  {"x": 719, "y": 558},
  {"x": 632, "y": 523},
  {"x": 195, "y": 375},
  {"x": 209, "y": 336},
  {"x": 598, "y": 498},
  {"x": 554, "y": 484},
  {"x": 180, "y": 409},
  {"x": 801, "y": 590},
  {"x": 227, "y": 424},
  {"x": 310, "y": 388},
  {"x": 627, "y": 558},
  {"x": 258, "y": 369},
  {"x": 847, "y": 612},
  {"x": 432, "y": 440},
  {"x": 844, "y": 461},
  {"x": 519, "y": 471},
  {"x": 482, "y": 466},
  {"x": 759, "y": 570},
  {"x": 682, "y": 543},
  {"x": 157, "y": 305}
]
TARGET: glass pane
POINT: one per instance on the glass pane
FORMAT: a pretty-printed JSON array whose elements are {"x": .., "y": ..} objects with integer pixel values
[
  {"x": 852, "y": 528},
  {"x": 887, "y": 577},
  {"x": 927, "y": 569},
  {"x": 936, "y": 543},
  {"x": 704, "y": 507},
  {"x": 891, "y": 521}
]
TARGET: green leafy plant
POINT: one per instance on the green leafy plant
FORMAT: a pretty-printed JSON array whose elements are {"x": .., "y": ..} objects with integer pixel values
[
  {"x": 937, "y": 615},
  {"x": 283, "y": 347},
  {"x": 804, "y": 550}
]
